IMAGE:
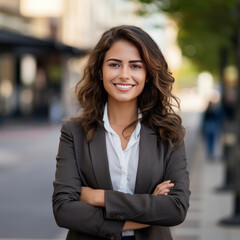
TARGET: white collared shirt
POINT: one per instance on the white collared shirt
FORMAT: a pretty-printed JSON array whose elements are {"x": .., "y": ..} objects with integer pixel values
[{"x": 123, "y": 164}]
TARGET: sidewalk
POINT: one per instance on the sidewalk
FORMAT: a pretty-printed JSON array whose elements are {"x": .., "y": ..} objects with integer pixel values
[{"x": 207, "y": 206}]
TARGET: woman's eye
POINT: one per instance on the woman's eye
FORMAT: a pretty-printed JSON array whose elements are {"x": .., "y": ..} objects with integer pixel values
[
  {"x": 114, "y": 65},
  {"x": 136, "y": 66}
]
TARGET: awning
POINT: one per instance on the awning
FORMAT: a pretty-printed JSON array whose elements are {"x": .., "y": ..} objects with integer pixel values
[{"x": 20, "y": 44}]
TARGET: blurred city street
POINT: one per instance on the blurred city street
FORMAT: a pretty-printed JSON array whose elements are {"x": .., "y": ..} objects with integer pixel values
[{"x": 43, "y": 50}]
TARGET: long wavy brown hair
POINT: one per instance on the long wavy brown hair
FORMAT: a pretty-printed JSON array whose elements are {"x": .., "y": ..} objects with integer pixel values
[{"x": 156, "y": 102}]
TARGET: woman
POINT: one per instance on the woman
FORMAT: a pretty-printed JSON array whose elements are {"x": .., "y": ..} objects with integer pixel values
[{"x": 121, "y": 165}]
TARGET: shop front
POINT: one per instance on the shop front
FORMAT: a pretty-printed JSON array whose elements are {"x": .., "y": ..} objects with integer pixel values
[{"x": 32, "y": 76}]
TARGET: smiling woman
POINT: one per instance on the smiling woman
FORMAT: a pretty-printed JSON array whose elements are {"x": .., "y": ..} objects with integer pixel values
[{"x": 121, "y": 165}]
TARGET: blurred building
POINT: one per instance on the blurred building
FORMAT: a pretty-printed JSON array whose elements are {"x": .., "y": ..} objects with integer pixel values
[
  {"x": 33, "y": 61},
  {"x": 42, "y": 44}
]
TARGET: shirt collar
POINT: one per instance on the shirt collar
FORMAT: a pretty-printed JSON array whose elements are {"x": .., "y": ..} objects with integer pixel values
[{"x": 108, "y": 127}]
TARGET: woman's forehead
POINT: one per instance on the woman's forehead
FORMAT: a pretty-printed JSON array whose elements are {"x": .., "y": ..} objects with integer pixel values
[{"x": 123, "y": 49}]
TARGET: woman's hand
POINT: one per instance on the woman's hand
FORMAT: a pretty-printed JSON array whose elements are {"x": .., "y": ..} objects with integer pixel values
[
  {"x": 163, "y": 188},
  {"x": 92, "y": 196}
]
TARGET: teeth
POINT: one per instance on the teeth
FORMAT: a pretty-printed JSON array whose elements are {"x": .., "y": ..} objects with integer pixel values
[{"x": 123, "y": 86}]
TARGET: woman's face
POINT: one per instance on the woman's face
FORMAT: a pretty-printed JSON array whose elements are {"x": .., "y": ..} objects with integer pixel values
[{"x": 123, "y": 72}]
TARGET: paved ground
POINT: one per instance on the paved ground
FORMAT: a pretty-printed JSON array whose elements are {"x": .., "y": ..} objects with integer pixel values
[
  {"x": 207, "y": 206},
  {"x": 27, "y": 165}
]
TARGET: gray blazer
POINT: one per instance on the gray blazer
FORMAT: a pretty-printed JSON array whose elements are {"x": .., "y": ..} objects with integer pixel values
[{"x": 85, "y": 164}]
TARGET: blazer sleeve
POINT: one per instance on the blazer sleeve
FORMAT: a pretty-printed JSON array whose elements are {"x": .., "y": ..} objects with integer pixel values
[
  {"x": 68, "y": 211},
  {"x": 164, "y": 210}
]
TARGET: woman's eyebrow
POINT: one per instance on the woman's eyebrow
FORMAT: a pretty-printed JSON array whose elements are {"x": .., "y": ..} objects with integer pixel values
[
  {"x": 135, "y": 61},
  {"x": 114, "y": 59},
  {"x": 118, "y": 60}
]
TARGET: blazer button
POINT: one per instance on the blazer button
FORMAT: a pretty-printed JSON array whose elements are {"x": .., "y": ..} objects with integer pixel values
[{"x": 112, "y": 215}]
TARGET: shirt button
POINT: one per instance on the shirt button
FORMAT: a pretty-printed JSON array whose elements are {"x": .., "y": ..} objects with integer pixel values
[{"x": 124, "y": 174}]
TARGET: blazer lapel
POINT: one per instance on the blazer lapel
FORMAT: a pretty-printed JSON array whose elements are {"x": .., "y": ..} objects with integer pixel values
[
  {"x": 99, "y": 159},
  {"x": 147, "y": 155}
]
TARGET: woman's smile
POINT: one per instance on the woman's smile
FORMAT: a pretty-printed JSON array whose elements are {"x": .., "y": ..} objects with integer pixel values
[{"x": 123, "y": 87}]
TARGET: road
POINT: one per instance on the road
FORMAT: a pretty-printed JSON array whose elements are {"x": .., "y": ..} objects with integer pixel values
[{"x": 27, "y": 166}]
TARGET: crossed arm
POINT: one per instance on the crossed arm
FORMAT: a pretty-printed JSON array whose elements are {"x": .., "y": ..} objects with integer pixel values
[
  {"x": 96, "y": 212},
  {"x": 96, "y": 197}
]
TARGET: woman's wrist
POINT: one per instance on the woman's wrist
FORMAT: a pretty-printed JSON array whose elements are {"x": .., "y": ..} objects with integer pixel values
[
  {"x": 99, "y": 199},
  {"x": 130, "y": 225},
  {"x": 95, "y": 197}
]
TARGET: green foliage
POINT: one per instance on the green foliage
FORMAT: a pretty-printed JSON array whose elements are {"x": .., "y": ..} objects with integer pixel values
[
  {"x": 187, "y": 74},
  {"x": 205, "y": 27}
]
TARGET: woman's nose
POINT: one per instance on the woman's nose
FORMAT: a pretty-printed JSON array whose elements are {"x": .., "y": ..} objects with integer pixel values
[{"x": 124, "y": 73}]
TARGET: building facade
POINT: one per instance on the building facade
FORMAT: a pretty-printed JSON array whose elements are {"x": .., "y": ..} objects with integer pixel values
[{"x": 32, "y": 64}]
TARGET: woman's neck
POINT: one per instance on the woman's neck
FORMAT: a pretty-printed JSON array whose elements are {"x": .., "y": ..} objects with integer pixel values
[{"x": 121, "y": 114}]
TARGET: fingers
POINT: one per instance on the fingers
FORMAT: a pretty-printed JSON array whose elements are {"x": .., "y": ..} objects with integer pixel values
[{"x": 163, "y": 188}]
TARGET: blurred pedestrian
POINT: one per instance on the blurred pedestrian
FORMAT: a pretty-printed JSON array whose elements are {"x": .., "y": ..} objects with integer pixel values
[
  {"x": 121, "y": 165},
  {"x": 212, "y": 122}
]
